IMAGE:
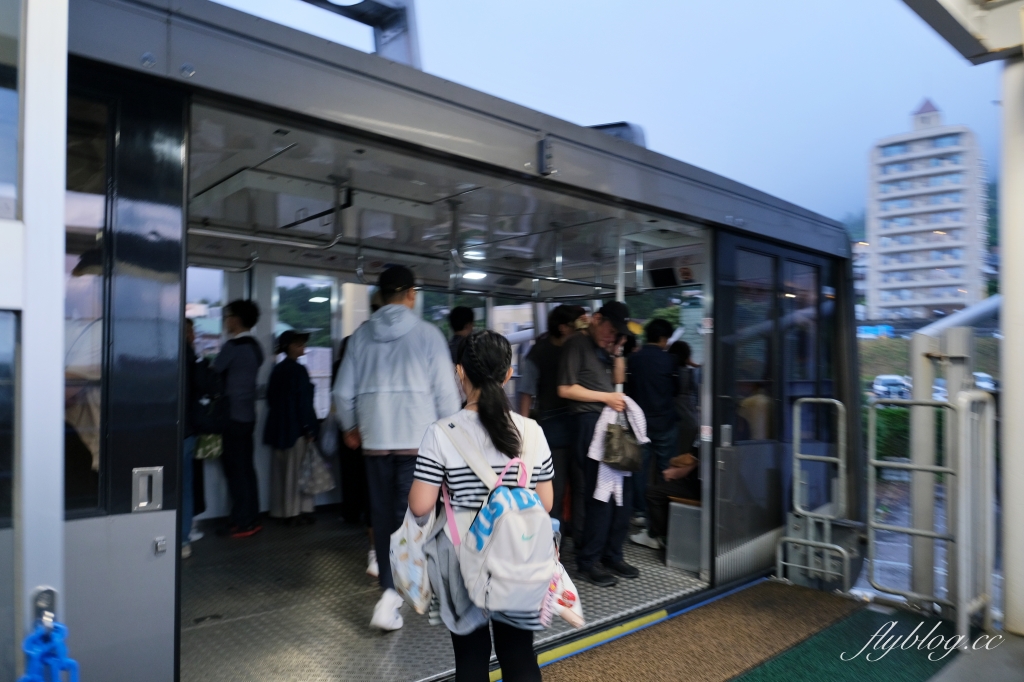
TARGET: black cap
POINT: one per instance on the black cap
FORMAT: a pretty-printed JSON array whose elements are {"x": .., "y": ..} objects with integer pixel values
[
  {"x": 288, "y": 337},
  {"x": 395, "y": 279},
  {"x": 616, "y": 313}
]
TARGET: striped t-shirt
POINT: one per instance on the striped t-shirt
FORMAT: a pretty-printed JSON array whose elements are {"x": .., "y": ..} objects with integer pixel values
[{"x": 440, "y": 462}]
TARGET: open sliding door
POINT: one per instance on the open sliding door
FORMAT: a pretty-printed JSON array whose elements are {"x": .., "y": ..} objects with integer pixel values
[{"x": 775, "y": 344}]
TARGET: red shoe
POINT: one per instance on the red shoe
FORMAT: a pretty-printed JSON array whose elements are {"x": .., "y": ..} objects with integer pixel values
[{"x": 248, "y": 531}]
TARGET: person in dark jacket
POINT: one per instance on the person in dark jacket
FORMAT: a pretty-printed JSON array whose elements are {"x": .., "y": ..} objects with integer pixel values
[
  {"x": 460, "y": 319},
  {"x": 290, "y": 428},
  {"x": 238, "y": 363},
  {"x": 653, "y": 383},
  {"x": 539, "y": 383},
  {"x": 686, "y": 398}
]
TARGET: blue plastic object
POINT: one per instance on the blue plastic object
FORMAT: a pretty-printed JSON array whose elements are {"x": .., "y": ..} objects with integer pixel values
[{"x": 46, "y": 655}]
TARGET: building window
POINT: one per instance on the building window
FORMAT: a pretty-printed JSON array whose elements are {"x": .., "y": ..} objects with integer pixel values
[
  {"x": 9, "y": 51},
  {"x": 946, "y": 141},
  {"x": 895, "y": 149}
]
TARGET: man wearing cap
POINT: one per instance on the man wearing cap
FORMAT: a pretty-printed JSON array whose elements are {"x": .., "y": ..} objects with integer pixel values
[
  {"x": 396, "y": 379},
  {"x": 591, "y": 366}
]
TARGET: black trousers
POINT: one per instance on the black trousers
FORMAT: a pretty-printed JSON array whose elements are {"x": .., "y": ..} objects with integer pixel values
[
  {"x": 606, "y": 524},
  {"x": 389, "y": 478},
  {"x": 514, "y": 648},
  {"x": 355, "y": 502},
  {"x": 240, "y": 473}
]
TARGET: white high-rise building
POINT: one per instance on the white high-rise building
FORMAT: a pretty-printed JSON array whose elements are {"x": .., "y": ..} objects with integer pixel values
[{"x": 926, "y": 221}]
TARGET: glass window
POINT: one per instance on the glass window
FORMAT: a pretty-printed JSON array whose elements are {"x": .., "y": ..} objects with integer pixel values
[
  {"x": 895, "y": 149},
  {"x": 10, "y": 27},
  {"x": 304, "y": 304},
  {"x": 204, "y": 300},
  {"x": 755, "y": 299},
  {"x": 85, "y": 270},
  {"x": 436, "y": 308},
  {"x": 946, "y": 141}
]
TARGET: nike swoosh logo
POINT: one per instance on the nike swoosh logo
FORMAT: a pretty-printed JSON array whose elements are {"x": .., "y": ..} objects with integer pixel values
[{"x": 528, "y": 538}]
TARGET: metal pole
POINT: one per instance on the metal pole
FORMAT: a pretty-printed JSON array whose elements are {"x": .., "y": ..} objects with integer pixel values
[
  {"x": 620, "y": 272},
  {"x": 39, "y": 449},
  {"x": 922, "y": 452},
  {"x": 1011, "y": 212},
  {"x": 958, "y": 349}
]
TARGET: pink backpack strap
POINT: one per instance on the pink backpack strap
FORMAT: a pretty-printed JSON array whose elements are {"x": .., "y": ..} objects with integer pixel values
[
  {"x": 450, "y": 516},
  {"x": 522, "y": 479}
]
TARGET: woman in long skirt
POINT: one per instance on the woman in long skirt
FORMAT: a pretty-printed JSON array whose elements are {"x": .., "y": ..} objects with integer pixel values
[{"x": 291, "y": 428}]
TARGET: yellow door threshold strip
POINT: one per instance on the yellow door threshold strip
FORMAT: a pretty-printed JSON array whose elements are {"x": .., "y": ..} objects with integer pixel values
[{"x": 603, "y": 637}]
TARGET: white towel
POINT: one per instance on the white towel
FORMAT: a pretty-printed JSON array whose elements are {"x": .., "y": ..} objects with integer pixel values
[{"x": 610, "y": 481}]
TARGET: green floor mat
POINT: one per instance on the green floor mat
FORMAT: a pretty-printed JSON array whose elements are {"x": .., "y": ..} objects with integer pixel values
[{"x": 821, "y": 657}]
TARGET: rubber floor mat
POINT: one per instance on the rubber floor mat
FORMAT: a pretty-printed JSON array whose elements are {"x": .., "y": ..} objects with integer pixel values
[
  {"x": 822, "y": 656},
  {"x": 712, "y": 643}
]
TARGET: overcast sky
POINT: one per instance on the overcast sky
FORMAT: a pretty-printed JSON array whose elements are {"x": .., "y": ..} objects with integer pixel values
[{"x": 787, "y": 97}]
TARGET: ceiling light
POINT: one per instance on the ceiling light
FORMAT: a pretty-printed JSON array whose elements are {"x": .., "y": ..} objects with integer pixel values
[
  {"x": 474, "y": 275},
  {"x": 344, "y": 3},
  {"x": 474, "y": 255},
  {"x": 790, "y": 295},
  {"x": 319, "y": 299}
]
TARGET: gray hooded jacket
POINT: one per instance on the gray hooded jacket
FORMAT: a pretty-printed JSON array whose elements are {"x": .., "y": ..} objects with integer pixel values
[{"x": 396, "y": 380}]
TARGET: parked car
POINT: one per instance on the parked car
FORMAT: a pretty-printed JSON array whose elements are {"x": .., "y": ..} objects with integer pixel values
[
  {"x": 891, "y": 386},
  {"x": 985, "y": 381}
]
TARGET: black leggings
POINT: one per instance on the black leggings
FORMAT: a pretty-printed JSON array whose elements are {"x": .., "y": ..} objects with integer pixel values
[{"x": 513, "y": 646}]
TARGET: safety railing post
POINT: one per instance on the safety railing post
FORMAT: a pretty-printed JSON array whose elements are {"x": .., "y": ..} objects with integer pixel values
[{"x": 975, "y": 547}]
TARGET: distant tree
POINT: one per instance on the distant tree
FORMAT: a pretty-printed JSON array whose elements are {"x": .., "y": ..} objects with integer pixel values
[
  {"x": 296, "y": 310},
  {"x": 855, "y": 225}
]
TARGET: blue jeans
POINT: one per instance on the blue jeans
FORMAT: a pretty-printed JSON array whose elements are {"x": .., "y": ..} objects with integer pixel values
[
  {"x": 657, "y": 453},
  {"x": 187, "y": 462}
]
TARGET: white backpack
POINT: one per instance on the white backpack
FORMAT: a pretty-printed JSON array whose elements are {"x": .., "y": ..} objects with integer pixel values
[{"x": 507, "y": 557}]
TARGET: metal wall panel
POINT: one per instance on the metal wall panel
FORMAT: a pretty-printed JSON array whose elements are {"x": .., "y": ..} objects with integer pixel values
[
  {"x": 145, "y": 304},
  {"x": 235, "y": 66},
  {"x": 140, "y": 33},
  {"x": 119, "y": 596},
  {"x": 226, "y": 51}
]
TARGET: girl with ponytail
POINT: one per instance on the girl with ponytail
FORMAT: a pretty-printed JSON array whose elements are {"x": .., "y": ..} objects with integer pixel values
[{"x": 488, "y": 424}]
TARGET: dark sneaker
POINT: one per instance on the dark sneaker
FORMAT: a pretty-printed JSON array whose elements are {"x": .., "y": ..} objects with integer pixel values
[
  {"x": 225, "y": 531},
  {"x": 623, "y": 570},
  {"x": 248, "y": 531},
  {"x": 600, "y": 577}
]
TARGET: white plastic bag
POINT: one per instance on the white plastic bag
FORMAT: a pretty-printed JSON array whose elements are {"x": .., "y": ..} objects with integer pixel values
[
  {"x": 314, "y": 477},
  {"x": 329, "y": 436},
  {"x": 409, "y": 563},
  {"x": 562, "y": 600}
]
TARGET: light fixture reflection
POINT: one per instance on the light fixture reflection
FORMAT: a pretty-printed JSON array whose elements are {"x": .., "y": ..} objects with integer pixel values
[
  {"x": 474, "y": 275},
  {"x": 319, "y": 299},
  {"x": 474, "y": 255}
]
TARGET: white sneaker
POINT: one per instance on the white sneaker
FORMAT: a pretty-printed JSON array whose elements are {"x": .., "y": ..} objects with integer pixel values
[
  {"x": 372, "y": 569},
  {"x": 186, "y": 550},
  {"x": 385, "y": 613},
  {"x": 195, "y": 534},
  {"x": 642, "y": 538}
]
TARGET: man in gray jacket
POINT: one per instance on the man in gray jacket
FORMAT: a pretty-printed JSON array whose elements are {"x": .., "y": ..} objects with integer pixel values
[{"x": 396, "y": 380}]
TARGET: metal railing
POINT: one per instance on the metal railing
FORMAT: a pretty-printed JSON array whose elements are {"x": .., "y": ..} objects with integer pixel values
[
  {"x": 818, "y": 530},
  {"x": 974, "y": 452},
  {"x": 974, "y": 504}
]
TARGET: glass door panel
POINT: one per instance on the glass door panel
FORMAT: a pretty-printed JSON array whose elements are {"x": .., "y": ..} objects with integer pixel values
[
  {"x": 304, "y": 304},
  {"x": 774, "y": 337}
]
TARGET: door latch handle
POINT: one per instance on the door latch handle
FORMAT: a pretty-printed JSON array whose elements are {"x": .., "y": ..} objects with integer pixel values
[{"x": 147, "y": 489}]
